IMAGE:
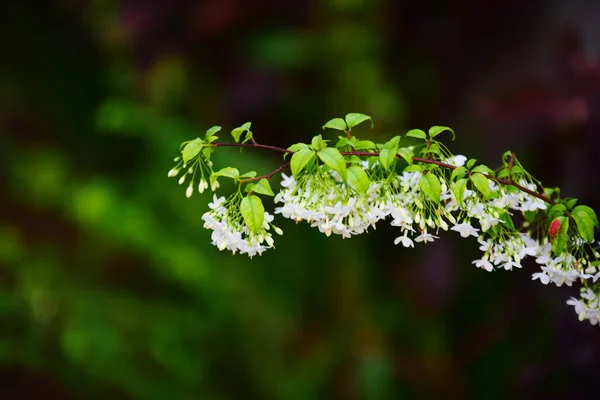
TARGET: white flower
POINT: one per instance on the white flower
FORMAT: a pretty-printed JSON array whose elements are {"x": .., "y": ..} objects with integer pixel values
[
  {"x": 405, "y": 240},
  {"x": 483, "y": 264},
  {"x": 465, "y": 229},
  {"x": 425, "y": 238}
]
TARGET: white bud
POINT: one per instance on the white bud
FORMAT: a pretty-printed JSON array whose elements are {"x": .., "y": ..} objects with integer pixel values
[
  {"x": 182, "y": 179},
  {"x": 442, "y": 224},
  {"x": 189, "y": 191},
  {"x": 191, "y": 170},
  {"x": 201, "y": 187},
  {"x": 176, "y": 159},
  {"x": 214, "y": 186},
  {"x": 173, "y": 172},
  {"x": 269, "y": 241},
  {"x": 278, "y": 230}
]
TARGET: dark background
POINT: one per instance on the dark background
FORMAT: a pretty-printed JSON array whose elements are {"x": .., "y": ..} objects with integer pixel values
[{"x": 109, "y": 287}]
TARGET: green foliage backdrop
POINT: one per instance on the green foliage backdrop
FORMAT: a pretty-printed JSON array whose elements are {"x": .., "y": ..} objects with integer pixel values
[{"x": 108, "y": 284}]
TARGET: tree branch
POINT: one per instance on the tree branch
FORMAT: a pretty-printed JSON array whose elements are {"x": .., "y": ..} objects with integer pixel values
[{"x": 376, "y": 154}]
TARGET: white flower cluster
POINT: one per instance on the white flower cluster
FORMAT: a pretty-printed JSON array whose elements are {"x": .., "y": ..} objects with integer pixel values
[
  {"x": 231, "y": 233},
  {"x": 588, "y": 307}
]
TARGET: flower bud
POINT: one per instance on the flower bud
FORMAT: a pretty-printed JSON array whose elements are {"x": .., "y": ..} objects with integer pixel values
[
  {"x": 173, "y": 172},
  {"x": 182, "y": 179},
  {"x": 189, "y": 191}
]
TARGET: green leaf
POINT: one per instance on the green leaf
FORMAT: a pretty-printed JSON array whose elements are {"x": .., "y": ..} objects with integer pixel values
[
  {"x": 483, "y": 169},
  {"x": 413, "y": 168},
  {"x": 471, "y": 162},
  {"x": 482, "y": 184},
  {"x": 436, "y": 130},
  {"x": 342, "y": 142},
  {"x": 248, "y": 137},
  {"x": 358, "y": 178},
  {"x": 386, "y": 158},
  {"x": 458, "y": 173},
  {"x": 503, "y": 173},
  {"x": 430, "y": 185},
  {"x": 336, "y": 123},
  {"x": 571, "y": 203},
  {"x": 416, "y": 133},
  {"x": 407, "y": 154},
  {"x": 253, "y": 212},
  {"x": 589, "y": 212},
  {"x": 229, "y": 172},
  {"x": 355, "y": 160},
  {"x": 300, "y": 159},
  {"x": 560, "y": 240},
  {"x": 318, "y": 143},
  {"x": 585, "y": 219},
  {"x": 432, "y": 149},
  {"x": 263, "y": 187},
  {"x": 556, "y": 210},
  {"x": 354, "y": 119},
  {"x": 191, "y": 150},
  {"x": 248, "y": 175},
  {"x": 334, "y": 160},
  {"x": 459, "y": 190},
  {"x": 211, "y": 131},
  {"x": 249, "y": 187},
  {"x": 364, "y": 144},
  {"x": 508, "y": 222},
  {"x": 237, "y": 132}
]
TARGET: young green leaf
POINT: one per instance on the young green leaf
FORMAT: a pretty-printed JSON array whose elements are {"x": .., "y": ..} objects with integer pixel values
[
  {"x": 386, "y": 158},
  {"x": 436, "y": 130},
  {"x": 586, "y": 220},
  {"x": 342, "y": 142},
  {"x": 482, "y": 184},
  {"x": 430, "y": 185},
  {"x": 407, "y": 154},
  {"x": 334, "y": 160},
  {"x": 248, "y": 188},
  {"x": 354, "y": 119},
  {"x": 253, "y": 212},
  {"x": 237, "y": 132},
  {"x": 459, "y": 190},
  {"x": 211, "y": 131},
  {"x": 358, "y": 178},
  {"x": 364, "y": 144},
  {"x": 229, "y": 172},
  {"x": 300, "y": 159},
  {"x": 248, "y": 175},
  {"x": 589, "y": 212},
  {"x": 416, "y": 133},
  {"x": 571, "y": 203},
  {"x": 413, "y": 168},
  {"x": 483, "y": 169},
  {"x": 471, "y": 162},
  {"x": 557, "y": 210},
  {"x": 458, "y": 173},
  {"x": 318, "y": 143},
  {"x": 263, "y": 187},
  {"x": 336, "y": 123},
  {"x": 560, "y": 240},
  {"x": 191, "y": 150}
]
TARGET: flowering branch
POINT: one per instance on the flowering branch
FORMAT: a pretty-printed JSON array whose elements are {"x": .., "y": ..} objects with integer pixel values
[
  {"x": 376, "y": 154},
  {"x": 348, "y": 188}
]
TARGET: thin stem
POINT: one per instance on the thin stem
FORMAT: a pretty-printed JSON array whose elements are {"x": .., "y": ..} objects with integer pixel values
[
  {"x": 267, "y": 176},
  {"x": 376, "y": 154}
]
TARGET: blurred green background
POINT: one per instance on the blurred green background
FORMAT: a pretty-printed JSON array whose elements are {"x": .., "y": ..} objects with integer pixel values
[{"x": 109, "y": 287}]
